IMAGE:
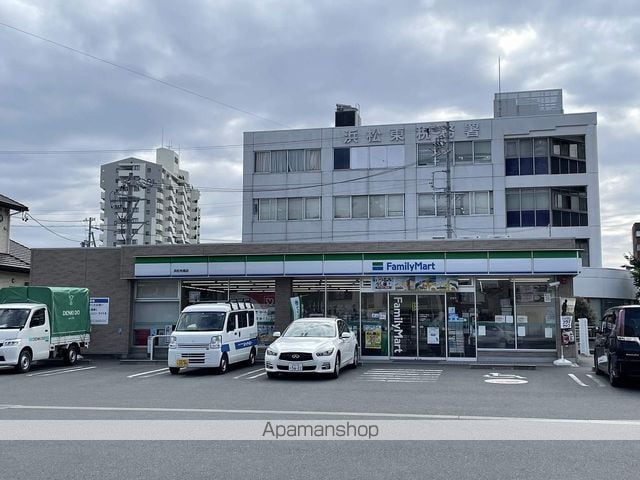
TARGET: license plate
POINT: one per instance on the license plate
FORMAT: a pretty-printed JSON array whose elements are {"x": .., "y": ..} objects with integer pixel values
[
  {"x": 295, "y": 367},
  {"x": 182, "y": 362}
]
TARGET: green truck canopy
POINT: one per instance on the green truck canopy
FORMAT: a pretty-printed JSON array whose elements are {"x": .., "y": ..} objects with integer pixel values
[{"x": 68, "y": 306}]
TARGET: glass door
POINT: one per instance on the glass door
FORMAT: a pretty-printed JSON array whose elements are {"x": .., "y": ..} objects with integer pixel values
[
  {"x": 402, "y": 326},
  {"x": 461, "y": 325},
  {"x": 431, "y": 326}
]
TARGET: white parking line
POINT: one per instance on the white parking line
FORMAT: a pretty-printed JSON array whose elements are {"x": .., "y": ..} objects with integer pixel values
[
  {"x": 577, "y": 380},
  {"x": 599, "y": 382},
  {"x": 156, "y": 374},
  {"x": 146, "y": 373},
  {"x": 259, "y": 375},
  {"x": 59, "y": 372},
  {"x": 248, "y": 373}
]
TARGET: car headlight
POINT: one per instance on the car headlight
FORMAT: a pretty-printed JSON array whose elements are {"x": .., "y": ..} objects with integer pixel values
[
  {"x": 12, "y": 343},
  {"x": 216, "y": 341},
  {"x": 173, "y": 342},
  {"x": 271, "y": 352},
  {"x": 325, "y": 353}
]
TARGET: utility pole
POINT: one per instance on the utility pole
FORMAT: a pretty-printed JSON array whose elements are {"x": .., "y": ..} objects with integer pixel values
[
  {"x": 90, "y": 237},
  {"x": 442, "y": 146},
  {"x": 448, "y": 193},
  {"x": 122, "y": 199}
]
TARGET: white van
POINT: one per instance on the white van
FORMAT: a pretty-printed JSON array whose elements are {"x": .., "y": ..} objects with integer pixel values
[{"x": 214, "y": 335}]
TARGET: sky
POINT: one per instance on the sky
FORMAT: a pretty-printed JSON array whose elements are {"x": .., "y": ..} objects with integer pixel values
[{"x": 83, "y": 83}]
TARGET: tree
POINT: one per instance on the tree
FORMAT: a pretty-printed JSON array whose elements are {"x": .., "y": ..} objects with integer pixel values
[
  {"x": 634, "y": 269},
  {"x": 583, "y": 310}
]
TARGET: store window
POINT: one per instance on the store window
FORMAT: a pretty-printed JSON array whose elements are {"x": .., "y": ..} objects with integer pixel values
[
  {"x": 535, "y": 316},
  {"x": 494, "y": 303},
  {"x": 374, "y": 335}
]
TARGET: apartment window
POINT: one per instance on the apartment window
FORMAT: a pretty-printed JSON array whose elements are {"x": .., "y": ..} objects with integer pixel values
[
  {"x": 368, "y": 206},
  {"x": 460, "y": 153},
  {"x": 282, "y": 209},
  {"x": 546, "y": 155},
  {"x": 283, "y": 161},
  {"x": 463, "y": 203},
  {"x": 539, "y": 207},
  {"x": 527, "y": 207},
  {"x": 380, "y": 156}
]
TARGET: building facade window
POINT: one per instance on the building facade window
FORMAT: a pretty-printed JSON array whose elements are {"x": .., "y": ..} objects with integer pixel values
[
  {"x": 540, "y": 207},
  {"x": 283, "y": 209},
  {"x": 286, "y": 161},
  {"x": 460, "y": 153},
  {"x": 368, "y": 206},
  {"x": 543, "y": 156},
  {"x": 379, "y": 156},
  {"x": 463, "y": 203}
]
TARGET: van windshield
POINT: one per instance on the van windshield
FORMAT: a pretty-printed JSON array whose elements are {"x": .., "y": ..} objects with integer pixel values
[
  {"x": 200, "y": 321},
  {"x": 13, "y": 317},
  {"x": 632, "y": 323}
]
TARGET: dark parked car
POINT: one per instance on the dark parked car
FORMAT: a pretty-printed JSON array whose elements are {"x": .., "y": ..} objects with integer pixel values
[{"x": 617, "y": 346}]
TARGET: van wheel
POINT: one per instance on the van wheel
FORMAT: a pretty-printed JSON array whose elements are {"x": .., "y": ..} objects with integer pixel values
[
  {"x": 595, "y": 365},
  {"x": 252, "y": 358},
  {"x": 224, "y": 364},
  {"x": 71, "y": 355},
  {"x": 174, "y": 370},
  {"x": 614, "y": 380},
  {"x": 24, "y": 362},
  {"x": 336, "y": 369}
]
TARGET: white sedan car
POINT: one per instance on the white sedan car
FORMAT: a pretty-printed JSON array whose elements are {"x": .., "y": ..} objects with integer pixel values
[{"x": 320, "y": 345}]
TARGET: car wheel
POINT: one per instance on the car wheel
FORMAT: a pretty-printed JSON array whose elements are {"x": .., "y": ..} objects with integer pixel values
[
  {"x": 614, "y": 380},
  {"x": 356, "y": 357},
  {"x": 271, "y": 374},
  {"x": 252, "y": 358},
  {"x": 595, "y": 364},
  {"x": 24, "y": 362},
  {"x": 224, "y": 364},
  {"x": 174, "y": 370},
  {"x": 336, "y": 369},
  {"x": 71, "y": 355}
]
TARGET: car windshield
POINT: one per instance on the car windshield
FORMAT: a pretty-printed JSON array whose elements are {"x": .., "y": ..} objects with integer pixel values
[
  {"x": 200, "y": 321},
  {"x": 310, "y": 329},
  {"x": 632, "y": 323},
  {"x": 13, "y": 317}
]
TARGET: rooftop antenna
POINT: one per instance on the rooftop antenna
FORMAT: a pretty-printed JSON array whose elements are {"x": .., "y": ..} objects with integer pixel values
[
  {"x": 499, "y": 90},
  {"x": 162, "y": 138}
]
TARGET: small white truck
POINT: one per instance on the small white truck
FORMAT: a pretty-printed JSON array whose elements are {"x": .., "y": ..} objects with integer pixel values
[{"x": 38, "y": 323}]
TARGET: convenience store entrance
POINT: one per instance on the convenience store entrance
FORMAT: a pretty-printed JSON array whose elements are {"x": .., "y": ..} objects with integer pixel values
[{"x": 425, "y": 326}]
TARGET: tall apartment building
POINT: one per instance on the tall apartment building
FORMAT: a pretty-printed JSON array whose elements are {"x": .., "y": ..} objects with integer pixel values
[
  {"x": 146, "y": 203},
  {"x": 529, "y": 172},
  {"x": 635, "y": 239}
]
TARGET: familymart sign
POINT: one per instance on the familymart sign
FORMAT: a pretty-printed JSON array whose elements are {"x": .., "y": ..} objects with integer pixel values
[{"x": 441, "y": 263}]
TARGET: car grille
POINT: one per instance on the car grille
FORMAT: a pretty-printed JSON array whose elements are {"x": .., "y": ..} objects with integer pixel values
[
  {"x": 193, "y": 345},
  {"x": 193, "y": 357},
  {"x": 296, "y": 356}
]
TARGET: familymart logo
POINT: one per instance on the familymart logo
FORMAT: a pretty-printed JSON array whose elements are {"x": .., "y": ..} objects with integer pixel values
[{"x": 407, "y": 266}]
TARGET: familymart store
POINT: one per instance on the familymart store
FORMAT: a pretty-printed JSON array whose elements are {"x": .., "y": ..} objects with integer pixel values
[{"x": 421, "y": 305}]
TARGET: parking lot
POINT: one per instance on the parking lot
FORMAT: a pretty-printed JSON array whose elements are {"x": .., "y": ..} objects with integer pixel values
[{"x": 98, "y": 388}]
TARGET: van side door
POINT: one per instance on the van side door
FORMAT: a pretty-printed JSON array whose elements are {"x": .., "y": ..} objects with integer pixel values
[
  {"x": 230, "y": 336},
  {"x": 603, "y": 340},
  {"x": 38, "y": 334}
]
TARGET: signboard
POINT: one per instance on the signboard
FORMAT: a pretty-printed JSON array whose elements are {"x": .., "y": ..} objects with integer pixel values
[{"x": 99, "y": 310}]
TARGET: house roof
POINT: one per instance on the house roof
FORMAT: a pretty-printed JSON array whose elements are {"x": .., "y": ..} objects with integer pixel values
[
  {"x": 18, "y": 258},
  {"x": 12, "y": 204}
]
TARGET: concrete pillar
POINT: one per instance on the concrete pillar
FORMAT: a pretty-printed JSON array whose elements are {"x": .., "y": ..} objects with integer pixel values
[{"x": 284, "y": 292}]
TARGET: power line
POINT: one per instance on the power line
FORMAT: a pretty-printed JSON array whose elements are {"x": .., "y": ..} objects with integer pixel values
[{"x": 143, "y": 75}]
